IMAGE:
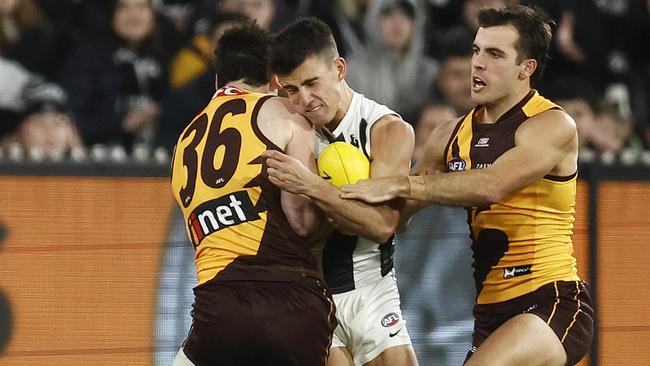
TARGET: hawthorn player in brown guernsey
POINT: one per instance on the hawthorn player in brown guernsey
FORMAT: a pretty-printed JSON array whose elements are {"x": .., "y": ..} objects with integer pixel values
[
  {"x": 512, "y": 161},
  {"x": 260, "y": 299}
]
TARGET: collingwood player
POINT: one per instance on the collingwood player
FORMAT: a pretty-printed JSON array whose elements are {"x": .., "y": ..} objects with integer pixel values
[{"x": 357, "y": 257}]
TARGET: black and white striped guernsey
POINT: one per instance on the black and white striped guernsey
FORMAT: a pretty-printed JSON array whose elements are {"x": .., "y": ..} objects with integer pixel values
[{"x": 351, "y": 262}]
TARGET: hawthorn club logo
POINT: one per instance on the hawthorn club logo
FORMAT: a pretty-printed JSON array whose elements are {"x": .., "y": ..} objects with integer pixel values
[{"x": 5, "y": 309}]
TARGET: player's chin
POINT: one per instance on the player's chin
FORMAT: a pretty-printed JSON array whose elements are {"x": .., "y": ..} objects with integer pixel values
[
  {"x": 318, "y": 117},
  {"x": 478, "y": 98}
]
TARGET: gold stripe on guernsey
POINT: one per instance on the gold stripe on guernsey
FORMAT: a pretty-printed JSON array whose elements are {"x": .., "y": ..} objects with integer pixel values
[
  {"x": 575, "y": 315},
  {"x": 464, "y": 133},
  {"x": 557, "y": 301},
  {"x": 330, "y": 315},
  {"x": 537, "y": 104}
]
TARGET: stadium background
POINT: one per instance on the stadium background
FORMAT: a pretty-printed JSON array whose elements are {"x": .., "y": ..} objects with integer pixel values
[{"x": 95, "y": 268}]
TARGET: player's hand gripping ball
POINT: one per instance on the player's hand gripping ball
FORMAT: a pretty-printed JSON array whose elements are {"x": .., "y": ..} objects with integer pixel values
[{"x": 341, "y": 163}]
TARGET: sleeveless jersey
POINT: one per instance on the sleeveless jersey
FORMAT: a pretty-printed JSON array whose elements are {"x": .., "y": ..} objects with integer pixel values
[
  {"x": 233, "y": 214},
  {"x": 523, "y": 242},
  {"x": 351, "y": 262}
]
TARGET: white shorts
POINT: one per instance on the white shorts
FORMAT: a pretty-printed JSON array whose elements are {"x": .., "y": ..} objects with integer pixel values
[
  {"x": 370, "y": 320},
  {"x": 181, "y": 359}
]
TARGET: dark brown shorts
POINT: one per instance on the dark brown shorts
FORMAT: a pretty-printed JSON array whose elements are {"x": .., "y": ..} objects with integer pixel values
[
  {"x": 564, "y": 305},
  {"x": 261, "y": 323}
]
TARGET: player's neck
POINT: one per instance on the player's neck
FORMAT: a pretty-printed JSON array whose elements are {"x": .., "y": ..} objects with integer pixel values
[
  {"x": 493, "y": 111},
  {"x": 240, "y": 84},
  {"x": 344, "y": 105}
]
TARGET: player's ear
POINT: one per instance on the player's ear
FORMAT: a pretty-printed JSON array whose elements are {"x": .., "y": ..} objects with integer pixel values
[
  {"x": 274, "y": 82},
  {"x": 528, "y": 67},
  {"x": 341, "y": 67}
]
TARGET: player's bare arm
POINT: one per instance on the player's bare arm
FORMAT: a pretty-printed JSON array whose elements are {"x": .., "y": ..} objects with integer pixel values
[
  {"x": 284, "y": 127},
  {"x": 392, "y": 144},
  {"x": 392, "y": 141},
  {"x": 544, "y": 144},
  {"x": 432, "y": 162}
]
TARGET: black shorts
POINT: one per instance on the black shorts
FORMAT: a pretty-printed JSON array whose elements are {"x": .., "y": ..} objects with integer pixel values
[
  {"x": 261, "y": 323},
  {"x": 564, "y": 305}
]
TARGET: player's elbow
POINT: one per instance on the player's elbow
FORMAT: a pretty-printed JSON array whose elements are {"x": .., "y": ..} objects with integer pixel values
[
  {"x": 403, "y": 225},
  {"x": 303, "y": 229},
  {"x": 382, "y": 232},
  {"x": 384, "y": 235},
  {"x": 304, "y": 225}
]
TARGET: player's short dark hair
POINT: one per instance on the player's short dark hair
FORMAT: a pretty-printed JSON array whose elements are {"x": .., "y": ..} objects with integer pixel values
[
  {"x": 242, "y": 53},
  {"x": 299, "y": 40},
  {"x": 534, "y": 27}
]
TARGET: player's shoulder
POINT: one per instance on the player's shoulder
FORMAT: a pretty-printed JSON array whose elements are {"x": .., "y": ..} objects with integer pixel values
[
  {"x": 551, "y": 119},
  {"x": 551, "y": 125},
  {"x": 279, "y": 109},
  {"x": 368, "y": 108},
  {"x": 394, "y": 125}
]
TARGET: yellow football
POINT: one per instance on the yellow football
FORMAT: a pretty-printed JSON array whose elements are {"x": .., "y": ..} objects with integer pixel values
[{"x": 341, "y": 163}]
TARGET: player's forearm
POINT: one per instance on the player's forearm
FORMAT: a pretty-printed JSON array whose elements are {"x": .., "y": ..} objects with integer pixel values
[
  {"x": 366, "y": 223},
  {"x": 376, "y": 222},
  {"x": 467, "y": 189}
]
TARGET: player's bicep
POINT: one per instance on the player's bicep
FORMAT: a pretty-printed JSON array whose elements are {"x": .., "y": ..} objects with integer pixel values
[
  {"x": 392, "y": 142},
  {"x": 302, "y": 214},
  {"x": 301, "y": 144},
  {"x": 540, "y": 145}
]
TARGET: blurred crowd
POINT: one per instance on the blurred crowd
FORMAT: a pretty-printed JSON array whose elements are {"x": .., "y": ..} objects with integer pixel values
[{"x": 129, "y": 74}]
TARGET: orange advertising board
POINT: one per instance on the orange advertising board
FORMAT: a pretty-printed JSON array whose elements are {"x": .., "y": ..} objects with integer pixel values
[
  {"x": 79, "y": 266},
  {"x": 81, "y": 257}
]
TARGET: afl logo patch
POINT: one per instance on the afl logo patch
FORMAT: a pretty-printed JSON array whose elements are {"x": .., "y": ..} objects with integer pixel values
[
  {"x": 389, "y": 320},
  {"x": 456, "y": 165}
]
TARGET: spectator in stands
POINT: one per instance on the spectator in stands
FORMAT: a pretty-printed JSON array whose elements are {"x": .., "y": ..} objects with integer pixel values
[
  {"x": 179, "y": 13},
  {"x": 116, "y": 84},
  {"x": 269, "y": 14},
  {"x": 196, "y": 57},
  {"x": 631, "y": 63},
  {"x": 394, "y": 70},
  {"x": 28, "y": 38},
  {"x": 460, "y": 26},
  {"x": 33, "y": 113},
  {"x": 431, "y": 117},
  {"x": 184, "y": 102},
  {"x": 451, "y": 97},
  {"x": 345, "y": 17},
  {"x": 451, "y": 85},
  {"x": 578, "y": 48},
  {"x": 600, "y": 127},
  {"x": 262, "y": 11}
]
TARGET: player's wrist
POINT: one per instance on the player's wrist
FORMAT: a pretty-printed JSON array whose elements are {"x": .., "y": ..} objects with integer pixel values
[
  {"x": 416, "y": 188},
  {"x": 312, "y": 185},
  {"x": 402, "y": 188}
]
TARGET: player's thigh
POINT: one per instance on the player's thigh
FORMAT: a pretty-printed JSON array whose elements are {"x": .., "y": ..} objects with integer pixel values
[
  {"x": 403, "y": 355},
  {"x": 339, "y": 356},
  {"x": 523, "y": 340}
]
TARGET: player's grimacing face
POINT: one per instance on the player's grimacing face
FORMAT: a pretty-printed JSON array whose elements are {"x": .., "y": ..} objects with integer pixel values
[
  {"x": 314, "y": 89},
  {"x": 495, "y": 69}
]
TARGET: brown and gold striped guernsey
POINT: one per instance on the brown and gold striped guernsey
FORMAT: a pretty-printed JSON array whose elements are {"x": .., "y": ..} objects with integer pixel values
[
  {"x": 523, "y": 242},
  {"x": 232, "y": 212}
]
